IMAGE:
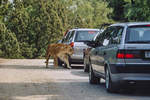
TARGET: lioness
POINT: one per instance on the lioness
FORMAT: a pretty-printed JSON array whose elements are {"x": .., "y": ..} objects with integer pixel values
[{"x": 61, "y": 51}]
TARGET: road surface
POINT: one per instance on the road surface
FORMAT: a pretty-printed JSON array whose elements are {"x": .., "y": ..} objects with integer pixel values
[{"x": 22, "y": 79}]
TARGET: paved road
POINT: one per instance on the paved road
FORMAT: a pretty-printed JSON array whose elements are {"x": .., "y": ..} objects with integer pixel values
[{"x": 30, "y": 80}]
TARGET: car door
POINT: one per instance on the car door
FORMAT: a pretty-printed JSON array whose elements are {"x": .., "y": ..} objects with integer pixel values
[
  {"x": 114, "y": 43},
  {"x": 110, "y": 44},
  {"x": 98, "y": 53}
]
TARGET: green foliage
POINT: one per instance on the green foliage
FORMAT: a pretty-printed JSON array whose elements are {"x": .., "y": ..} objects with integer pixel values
[
  {"x": 89, "y": 13},
  {"x": 130, "y": 10},
  {"x": 118, "y": 9},
  {"x": 101, "y": 13},
  {"x": 9, "y": 46},
  {"x": 139, "y": 11},
  {"x": 28, "y": 26}
]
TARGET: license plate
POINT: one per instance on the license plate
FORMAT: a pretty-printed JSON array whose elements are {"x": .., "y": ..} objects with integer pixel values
[{"x": 147, "y": 54}]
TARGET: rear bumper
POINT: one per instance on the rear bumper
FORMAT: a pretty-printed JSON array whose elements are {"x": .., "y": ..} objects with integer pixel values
[
  {"x": 130, "y": 68},
  {"x": 130, "y": 73},
  {"x": 76, "y": 59},
  {"x": 130, "y": 78}
]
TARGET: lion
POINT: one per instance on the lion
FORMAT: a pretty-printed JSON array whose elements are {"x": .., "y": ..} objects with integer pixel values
[{"x": 59, "y": 50}]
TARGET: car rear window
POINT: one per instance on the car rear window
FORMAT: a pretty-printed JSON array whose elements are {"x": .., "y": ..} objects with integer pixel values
[
  {"x": 138, "y": 34},
  {"x": 82, "y": 36}
]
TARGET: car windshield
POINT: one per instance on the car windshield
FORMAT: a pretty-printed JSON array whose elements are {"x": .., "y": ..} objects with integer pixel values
[
  {"x": 83, "y": 36},
  {"x": 138, "y": 34}
]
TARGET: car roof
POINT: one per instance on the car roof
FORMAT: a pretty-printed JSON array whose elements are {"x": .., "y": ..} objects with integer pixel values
[
  {"x": 84, "y": 29},
  {"x": 131, "y": 23}
]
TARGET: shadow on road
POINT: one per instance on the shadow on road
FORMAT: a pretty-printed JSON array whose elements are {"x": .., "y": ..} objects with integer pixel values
[
  {"x": 75, "y": 89},
  {"x": 79, "y": 73},
  {"x": 21, "y": 67},
  {"x": 50, "y": 66},
  {"x": 136, "y": 91},
  {"x": 42, "y": 67},
  {"x": 14, "y": 90}
]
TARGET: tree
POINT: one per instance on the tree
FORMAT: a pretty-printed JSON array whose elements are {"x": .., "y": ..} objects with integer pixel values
[
  {"x": 118, "y": 9},
  {"x": 9, "y": 46},
  {"x": 91, "y": 13},
  {"x": 138, "y": 10},
  {"x": 46, "y": 25},
  {"x": 33, "y": 24}
]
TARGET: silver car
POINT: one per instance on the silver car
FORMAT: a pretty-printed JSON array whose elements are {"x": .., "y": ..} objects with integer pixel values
[
  {"x": 76, "y": 38},
  {"x": 121, "y": 55}
]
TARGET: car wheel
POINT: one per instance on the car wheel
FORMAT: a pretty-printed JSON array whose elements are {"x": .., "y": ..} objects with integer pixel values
[
  {"x": 59, "y": 62},
  {"x": 92, "y": 78},
  {"x": 110, "y": 86},
  {"x": 86, "y": 66}
]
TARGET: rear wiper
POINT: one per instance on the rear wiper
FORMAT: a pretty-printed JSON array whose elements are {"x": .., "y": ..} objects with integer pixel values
[{"x": 138, "y": 42}]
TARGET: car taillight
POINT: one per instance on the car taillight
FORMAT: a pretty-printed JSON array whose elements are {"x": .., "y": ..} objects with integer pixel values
[
  {"x": 120, "y": 55},
  {"x": 72, "y": 44},
  {"x": 148, "y": 25},
  {"x": 128, "y": 54}
]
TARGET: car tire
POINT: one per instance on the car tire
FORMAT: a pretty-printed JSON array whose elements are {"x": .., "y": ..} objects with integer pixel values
[
  {"x": 59, "y": 62},
  {"x": 86, "y": 66},
  {"x": 110, "y": 86},
  {"x": 92, "y": 78}
]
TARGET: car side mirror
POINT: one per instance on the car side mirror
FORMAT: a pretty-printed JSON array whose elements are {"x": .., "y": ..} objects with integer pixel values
[
  {"x": 94, "y": 44},
  {"x": 91, "y": 43},
  {"x": 106, "y": 42}
]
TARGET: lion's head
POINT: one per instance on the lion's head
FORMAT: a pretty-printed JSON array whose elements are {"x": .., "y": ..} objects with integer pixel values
[{"x": 69, "y": 50}]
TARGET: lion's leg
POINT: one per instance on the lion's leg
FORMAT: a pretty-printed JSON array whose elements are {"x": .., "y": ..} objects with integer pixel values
[
  {"x": 65, "y": 59},
  {"x": 47, "y": 59},
  {"x": 55, "y": 61}
]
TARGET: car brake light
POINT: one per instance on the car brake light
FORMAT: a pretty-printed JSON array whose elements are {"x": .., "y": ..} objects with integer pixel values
[
  {"x": 147, "y": 25},
  {"x": 128, "y": 56},
  {"x": 72, "y": 44},
  {"x": 120, "y": 55},
  {"x": 125, "y": 54}
]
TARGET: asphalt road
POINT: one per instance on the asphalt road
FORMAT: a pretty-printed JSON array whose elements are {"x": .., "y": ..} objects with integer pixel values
[{"x": 30, "y": 80}]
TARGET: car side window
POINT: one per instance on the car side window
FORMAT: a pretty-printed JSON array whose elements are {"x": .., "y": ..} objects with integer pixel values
[
  {"x": 117, "y": 35},
  {"x": 97, "y": 39},
  {"x": 67, "y": 37},
  {"x": 71, "y": 36},
  {"x": 104, "y": 36}
]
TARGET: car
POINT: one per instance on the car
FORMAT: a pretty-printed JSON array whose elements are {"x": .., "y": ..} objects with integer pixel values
[
  {"x": 76, "y": 38},
  {"x": 121, "y": 55}
]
